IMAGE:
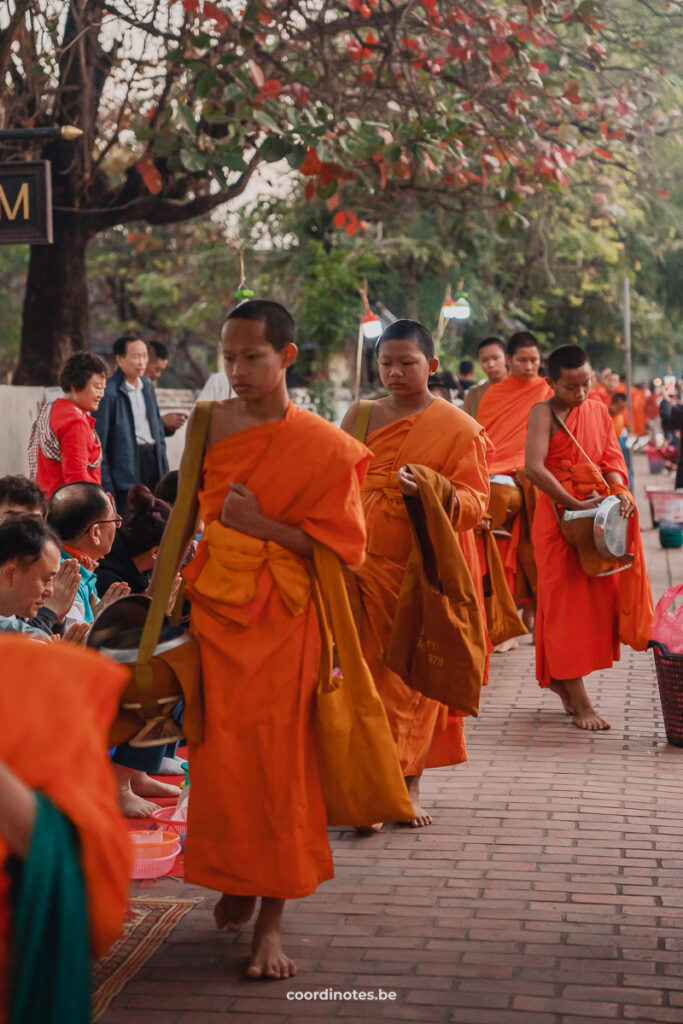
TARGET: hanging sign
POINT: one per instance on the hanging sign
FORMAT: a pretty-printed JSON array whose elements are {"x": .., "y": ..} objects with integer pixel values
[{"x": 25, "y": 203}]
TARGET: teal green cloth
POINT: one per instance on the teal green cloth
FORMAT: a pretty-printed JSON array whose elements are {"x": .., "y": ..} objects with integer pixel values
[{"x": 50, "y": 968}]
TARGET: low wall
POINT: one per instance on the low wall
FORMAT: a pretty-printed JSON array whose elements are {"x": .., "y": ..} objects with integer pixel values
[{"x": 19, "y": 407}]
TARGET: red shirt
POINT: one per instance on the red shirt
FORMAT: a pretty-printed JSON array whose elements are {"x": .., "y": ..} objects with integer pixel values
[{"x": 81, "y": 452}]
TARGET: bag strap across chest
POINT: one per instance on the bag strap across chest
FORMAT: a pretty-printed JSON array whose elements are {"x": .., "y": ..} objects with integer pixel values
[
  {"x": 175, "y": 531},
  {"x": 586, "y": 456},
  {"x": 360, "y": 427}
]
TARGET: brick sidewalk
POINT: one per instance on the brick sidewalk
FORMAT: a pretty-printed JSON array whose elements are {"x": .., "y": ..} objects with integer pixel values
[{"x": 549, "y": 890}]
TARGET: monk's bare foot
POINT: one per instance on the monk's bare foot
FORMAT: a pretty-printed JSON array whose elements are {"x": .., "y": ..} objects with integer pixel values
[
  {"x": 144, "y": 785},
  {"x": 132, "y": 806},
  {"x": 370, "y": 829},
  {"x": 507, "y": 645},
  {"x": 584, "y": 715},
  {"x": 233, "y": 912},
  {"x": 421, "y": 817},
  {"x": 268, "y": 959},
  {"x": 588, "y": 718},
  {"x": 558, "y": 687}
]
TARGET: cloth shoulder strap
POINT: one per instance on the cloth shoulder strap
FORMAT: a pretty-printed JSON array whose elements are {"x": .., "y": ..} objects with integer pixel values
[
  {"x": 360, "y": 427},
  {"x": 175, "y": 530},
  {"x": 587, "y": 457}
]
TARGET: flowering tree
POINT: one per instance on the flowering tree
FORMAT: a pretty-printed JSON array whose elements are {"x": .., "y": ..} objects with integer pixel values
[{"x": 180, "y": 102}]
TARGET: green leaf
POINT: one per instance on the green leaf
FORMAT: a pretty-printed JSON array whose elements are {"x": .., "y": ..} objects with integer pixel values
[
  {"x": 187, "y": 118},
  {"x": 233, "y": 161},
  {"x": 296, "y": 156},
  {"x": 233, "y": 92},
  {"x": 206, "y": 83},
  {"x": 192, "y": 160},
  {"x": 266, "y": 121},
  {"x": 275, "y": 149}
]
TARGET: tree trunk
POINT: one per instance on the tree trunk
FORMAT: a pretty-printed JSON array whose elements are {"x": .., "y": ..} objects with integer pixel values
[
  {"x": 55, "y": 319},
  {"x": 410, "y": 285}
]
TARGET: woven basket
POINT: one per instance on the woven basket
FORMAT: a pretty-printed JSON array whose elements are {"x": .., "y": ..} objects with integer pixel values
[{"x": 670, "y": 678}]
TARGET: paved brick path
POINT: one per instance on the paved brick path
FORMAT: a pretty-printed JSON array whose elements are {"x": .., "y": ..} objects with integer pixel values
[{"x": 549, "y": 891}]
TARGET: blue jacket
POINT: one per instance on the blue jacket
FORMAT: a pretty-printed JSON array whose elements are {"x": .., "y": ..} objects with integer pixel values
[{"x": 116, "y": 430}]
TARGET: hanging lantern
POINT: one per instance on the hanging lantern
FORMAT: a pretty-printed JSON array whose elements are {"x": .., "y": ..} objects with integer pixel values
[
  {"x": 372, "y": 326},
  {"x": 461, "y": 307}
]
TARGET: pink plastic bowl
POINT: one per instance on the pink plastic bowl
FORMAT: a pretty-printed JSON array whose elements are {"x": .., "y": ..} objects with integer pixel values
[
  {"x": 163, "y": 818},
  {"x": 154, "y": 859}
]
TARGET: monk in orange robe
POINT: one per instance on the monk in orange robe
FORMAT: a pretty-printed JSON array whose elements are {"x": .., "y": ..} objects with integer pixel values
[
  {"x": 600, "y": 611},
  {"x": 639, "y": 426},
  {"x": 56, "y": 706},
  {"x": 411, "y": 426},
  {"x": 504, "y": 413},
  {"x": 275, "y": 479}
]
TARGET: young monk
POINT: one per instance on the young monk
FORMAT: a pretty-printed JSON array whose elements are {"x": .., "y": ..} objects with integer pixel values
[
  {"x": 491, "y": 356},
  {"x": 600, "y": 611},
  {"x": 275, "y": 478},
  {"x": 504, "y": 413},
  {"x": 410, "y": 425}
]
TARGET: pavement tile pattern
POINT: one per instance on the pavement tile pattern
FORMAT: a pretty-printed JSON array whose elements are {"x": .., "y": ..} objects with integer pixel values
[{"x": 548, "y": 891}]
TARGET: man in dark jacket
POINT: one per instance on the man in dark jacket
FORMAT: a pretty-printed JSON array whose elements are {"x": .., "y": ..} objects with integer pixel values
[{"x": 129, "y": 424}]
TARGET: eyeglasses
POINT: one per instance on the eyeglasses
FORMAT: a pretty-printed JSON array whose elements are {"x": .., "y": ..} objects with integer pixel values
[{"x": 100, "y": 522}]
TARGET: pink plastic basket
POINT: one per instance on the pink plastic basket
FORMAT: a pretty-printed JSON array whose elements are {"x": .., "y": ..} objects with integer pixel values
[
  {"x": 154, "y": 856},
  {"x": 665, "y": 504},
  {"x": 164, "y": 819}
]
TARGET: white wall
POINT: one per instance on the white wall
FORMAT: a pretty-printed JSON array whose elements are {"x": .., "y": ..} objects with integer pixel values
[{"x": 19, "y": 407}]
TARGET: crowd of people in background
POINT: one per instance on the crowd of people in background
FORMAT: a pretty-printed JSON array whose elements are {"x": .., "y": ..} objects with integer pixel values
[
  {"x": 489, "y": 461},
  {"x": 104, "y": 441}
]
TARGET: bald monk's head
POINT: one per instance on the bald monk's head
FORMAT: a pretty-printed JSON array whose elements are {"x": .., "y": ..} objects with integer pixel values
[
  {"x": 258, "y": 346},
  {"x": 570, "y": 375},
  {"x": 523, "y": 356},
  {"x": 405, "y": 353}
]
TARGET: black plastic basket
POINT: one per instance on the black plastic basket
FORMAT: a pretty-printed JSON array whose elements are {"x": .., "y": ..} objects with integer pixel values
[{"x": 670, "y": 679}]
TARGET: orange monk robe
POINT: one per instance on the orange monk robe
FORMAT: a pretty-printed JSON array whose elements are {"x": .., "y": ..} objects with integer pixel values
[
  {"x": 618, "y": 422},
  {"x": 450, "y": 442},
  {"x": 257, "y": 824},
  {"x": 56, "y": 706},
  {"x": 638, "y": 411},
  {"x": 580, "y": 618},
  {"x": 504, "y": 413},
  {"x": 600, "y": 394}
]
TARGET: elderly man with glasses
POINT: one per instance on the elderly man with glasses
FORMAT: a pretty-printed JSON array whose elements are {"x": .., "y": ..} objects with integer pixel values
[
  {"x": 83, "y": 518},
  {"x": 85, "y": 521}
]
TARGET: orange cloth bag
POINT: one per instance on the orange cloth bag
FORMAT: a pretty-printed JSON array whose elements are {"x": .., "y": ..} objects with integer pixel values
[
  {"x": 438, "y": 643},
  {"x": 360, "y": 773}
]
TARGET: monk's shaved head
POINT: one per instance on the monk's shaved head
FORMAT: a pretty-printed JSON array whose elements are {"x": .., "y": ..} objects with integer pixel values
[
  {"x": 408, "y": 330},
  {"x": 522, "y": 339},
  {"x": 566, "y": 357},
  {"x": 277, "y": 321},
  {"x": 75, "y": 507}
]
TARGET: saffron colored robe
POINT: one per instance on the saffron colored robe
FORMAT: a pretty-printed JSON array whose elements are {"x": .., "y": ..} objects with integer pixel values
[
  {"x": 600, "y": 394},
  {"x": 504, "y": 413},
  {"x": 450, "y": 442},
  {"x": 638, "y": 409},
  {"x": 56, "y": 706},
  {"x": 257, "y": 823},
  {"x": 598, "y": 612}
]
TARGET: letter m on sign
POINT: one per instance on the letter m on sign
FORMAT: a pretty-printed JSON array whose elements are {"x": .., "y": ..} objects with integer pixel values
[
  {"x": 21, "y": 200},
  {"x": 25, "y": 202}
]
